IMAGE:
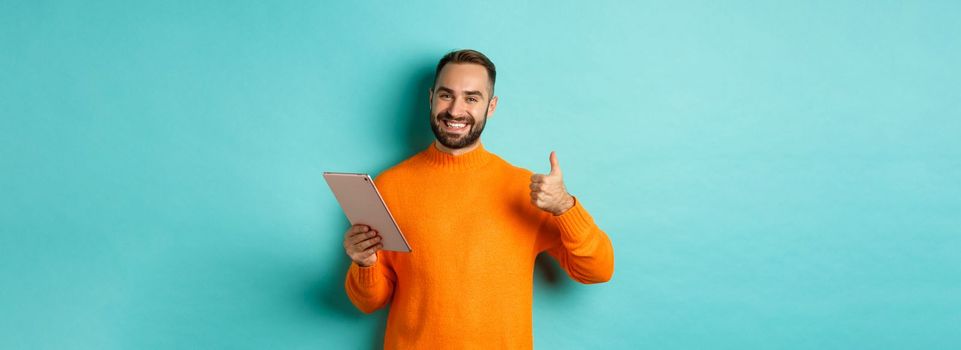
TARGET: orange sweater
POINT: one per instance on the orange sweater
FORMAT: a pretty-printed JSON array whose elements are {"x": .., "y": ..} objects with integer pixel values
[{"x": 468, "y": 284}]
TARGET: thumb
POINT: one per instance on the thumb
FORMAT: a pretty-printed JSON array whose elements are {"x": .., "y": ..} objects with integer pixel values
[{"x": 555, "y": 167}]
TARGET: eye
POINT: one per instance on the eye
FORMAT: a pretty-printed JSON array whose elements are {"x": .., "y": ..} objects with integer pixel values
[
  {"x": 444, "y": 96},
  {"x": 472, "y": 99}
]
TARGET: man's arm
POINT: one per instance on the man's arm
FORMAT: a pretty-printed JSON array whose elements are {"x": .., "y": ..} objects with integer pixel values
[
  {"x": 369, "y": 288},
  {"x": 369, "y": 283},
  {"x": 584, "y": 250}
]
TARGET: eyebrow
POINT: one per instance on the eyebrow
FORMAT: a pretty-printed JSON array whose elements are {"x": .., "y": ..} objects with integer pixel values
[{"x": 469, "y": 93}]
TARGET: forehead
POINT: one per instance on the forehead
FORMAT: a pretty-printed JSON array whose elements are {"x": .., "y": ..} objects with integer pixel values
[{"x": 463, "y": 77}]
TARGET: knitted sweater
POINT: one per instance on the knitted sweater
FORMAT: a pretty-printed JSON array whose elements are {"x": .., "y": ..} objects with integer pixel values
[{"x": 468, "y": 283}]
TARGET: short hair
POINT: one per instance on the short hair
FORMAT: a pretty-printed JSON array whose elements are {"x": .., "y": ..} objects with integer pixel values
[{"x": 468, "y": 56}]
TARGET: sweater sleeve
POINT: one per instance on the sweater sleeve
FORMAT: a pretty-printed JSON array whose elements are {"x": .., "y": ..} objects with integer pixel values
[
  {"x": 583, "y": 250},
  {"x": 370, "y": 288}
]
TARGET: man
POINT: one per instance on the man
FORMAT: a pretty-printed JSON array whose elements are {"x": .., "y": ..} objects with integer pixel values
[{"x": 475, "y": 224}]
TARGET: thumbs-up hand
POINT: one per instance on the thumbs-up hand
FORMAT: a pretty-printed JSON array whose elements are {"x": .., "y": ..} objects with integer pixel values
[{"x": 548, "y": 192}]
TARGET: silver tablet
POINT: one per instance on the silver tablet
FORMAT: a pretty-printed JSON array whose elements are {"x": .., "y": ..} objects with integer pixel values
[{"x": 362, "y": 204}]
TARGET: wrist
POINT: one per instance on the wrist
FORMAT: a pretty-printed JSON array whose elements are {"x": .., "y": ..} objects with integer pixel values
[{"x": 566, "y": 205}]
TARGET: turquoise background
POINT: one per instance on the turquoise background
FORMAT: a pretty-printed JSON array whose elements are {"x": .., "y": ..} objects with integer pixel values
[{"x": 774, "y": 175}]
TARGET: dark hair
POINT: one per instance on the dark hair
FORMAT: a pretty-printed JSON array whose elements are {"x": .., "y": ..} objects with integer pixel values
[{"x": 468, "y": 56}]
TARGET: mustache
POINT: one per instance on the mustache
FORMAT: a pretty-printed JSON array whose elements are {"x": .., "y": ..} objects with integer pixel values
[{"x": 444, "y": 116}]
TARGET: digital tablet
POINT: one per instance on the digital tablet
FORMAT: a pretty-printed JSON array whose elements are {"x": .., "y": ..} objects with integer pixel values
[{"x": 362, "y": 204}]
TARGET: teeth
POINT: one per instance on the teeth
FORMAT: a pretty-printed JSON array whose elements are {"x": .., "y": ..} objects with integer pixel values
[{"x": 453, "y": 125}]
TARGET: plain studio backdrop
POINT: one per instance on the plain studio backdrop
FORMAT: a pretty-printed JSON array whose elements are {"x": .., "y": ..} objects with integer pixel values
[{"x": 773, "y": 175}]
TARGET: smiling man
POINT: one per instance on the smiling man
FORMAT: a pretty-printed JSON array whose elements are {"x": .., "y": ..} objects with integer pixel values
[{"x": 476, "y": 224}]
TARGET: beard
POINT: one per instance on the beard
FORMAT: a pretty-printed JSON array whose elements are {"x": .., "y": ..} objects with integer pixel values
[{"x": 456, "y": 141}]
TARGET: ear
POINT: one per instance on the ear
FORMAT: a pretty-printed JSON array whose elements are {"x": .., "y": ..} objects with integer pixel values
[
  {"x": 430, "y": 96},
  {"x": 491, "y": 106}
]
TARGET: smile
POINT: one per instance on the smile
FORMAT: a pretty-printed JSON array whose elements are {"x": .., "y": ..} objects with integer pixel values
[{"x": 453, "y": 126}]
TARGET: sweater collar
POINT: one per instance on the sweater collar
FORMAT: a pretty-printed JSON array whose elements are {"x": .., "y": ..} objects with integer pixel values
[{"x": 474, "y": 159}]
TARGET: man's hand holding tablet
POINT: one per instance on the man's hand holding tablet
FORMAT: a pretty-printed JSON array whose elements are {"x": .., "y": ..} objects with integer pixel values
[
  {"x": 362, "y": 244},
  {"x": 373, "y": 228}
]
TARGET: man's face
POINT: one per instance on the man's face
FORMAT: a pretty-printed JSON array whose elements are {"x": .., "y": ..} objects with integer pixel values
[{"x": 460, "y": 103}]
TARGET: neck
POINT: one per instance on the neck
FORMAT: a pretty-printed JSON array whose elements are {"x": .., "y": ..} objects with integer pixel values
[{"x": 456, "y": 151}]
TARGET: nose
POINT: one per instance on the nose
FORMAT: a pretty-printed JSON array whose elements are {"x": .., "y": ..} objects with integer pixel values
[{"x": 457, "y": 108}]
